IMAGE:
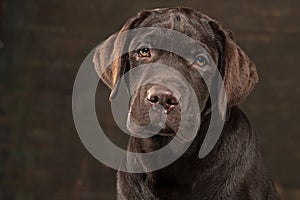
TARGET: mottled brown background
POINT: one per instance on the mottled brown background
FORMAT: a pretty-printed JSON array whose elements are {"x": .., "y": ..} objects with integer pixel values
[{"x": 42, "y": 45}]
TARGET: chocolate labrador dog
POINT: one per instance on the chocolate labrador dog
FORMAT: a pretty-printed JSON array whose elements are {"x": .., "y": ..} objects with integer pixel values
[{"x": 234, "y": 168}]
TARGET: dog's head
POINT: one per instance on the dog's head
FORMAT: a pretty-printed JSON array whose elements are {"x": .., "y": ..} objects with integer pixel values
[{"x": 237, "y": 70}]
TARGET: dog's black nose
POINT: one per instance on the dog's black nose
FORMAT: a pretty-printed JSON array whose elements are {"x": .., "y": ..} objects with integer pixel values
[{"x": 159, "y": 95}]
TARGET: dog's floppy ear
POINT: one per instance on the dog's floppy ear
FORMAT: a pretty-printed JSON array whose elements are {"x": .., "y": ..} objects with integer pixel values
[
  {"x": 230, "y": 34},
  {"x": 111, "y": 57},
  {"x": 239, "y": 72}
]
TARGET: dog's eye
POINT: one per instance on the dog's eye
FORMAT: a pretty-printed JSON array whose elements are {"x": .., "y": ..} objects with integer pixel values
[
  {"x": 201, "y": 61},
  {"x": 144, "y": 52}
]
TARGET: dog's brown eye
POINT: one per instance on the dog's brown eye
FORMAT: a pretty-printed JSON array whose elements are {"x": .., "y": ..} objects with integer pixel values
[
  {"x": 201, "y": 60},
  {"x": 144, "y": 52}
]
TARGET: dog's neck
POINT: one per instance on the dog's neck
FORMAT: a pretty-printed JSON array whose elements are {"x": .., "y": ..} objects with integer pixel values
[
  {"x": 205, "y": 171},
  {"x": 188, "y": 161}
]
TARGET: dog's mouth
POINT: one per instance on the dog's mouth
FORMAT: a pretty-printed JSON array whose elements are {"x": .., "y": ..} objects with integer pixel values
[
  {"x": 156, "y": 127},
  {"x": 167, "y": 132}
]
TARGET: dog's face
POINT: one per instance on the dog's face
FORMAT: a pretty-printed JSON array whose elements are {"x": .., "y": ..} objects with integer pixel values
[{"x": 237, "y": 70}]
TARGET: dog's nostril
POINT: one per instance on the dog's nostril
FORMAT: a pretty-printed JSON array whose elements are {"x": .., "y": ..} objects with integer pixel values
[
  {"x": 153, "y": 98},
  {"x": 172, "y": 101}
]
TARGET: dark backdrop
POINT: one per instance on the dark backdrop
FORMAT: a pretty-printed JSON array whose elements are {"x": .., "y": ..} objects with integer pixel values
[{"x": 42, "y": 45}]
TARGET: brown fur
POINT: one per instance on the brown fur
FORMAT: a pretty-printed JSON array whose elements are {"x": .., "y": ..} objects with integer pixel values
[{"x": 234, "y": 169}]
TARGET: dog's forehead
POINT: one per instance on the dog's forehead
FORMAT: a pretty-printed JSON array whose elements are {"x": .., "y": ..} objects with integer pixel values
[{"x": 193, "y": 24}]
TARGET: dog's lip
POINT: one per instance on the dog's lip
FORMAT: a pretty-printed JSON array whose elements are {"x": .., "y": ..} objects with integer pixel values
[{"x": 166, "y": 132}]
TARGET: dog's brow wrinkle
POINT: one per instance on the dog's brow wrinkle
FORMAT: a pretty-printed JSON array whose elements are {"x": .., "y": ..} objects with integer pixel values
[{"x": 176, "y": 20}]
